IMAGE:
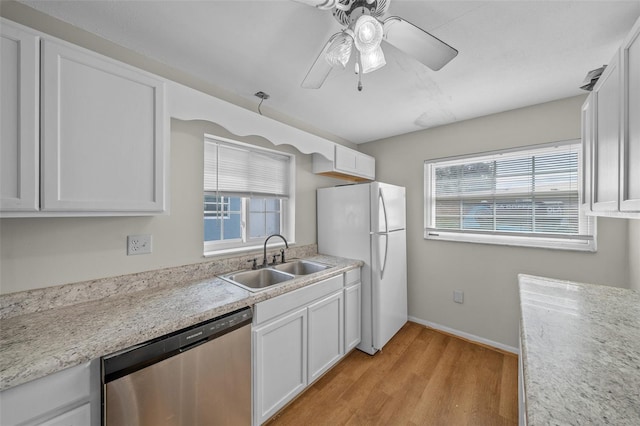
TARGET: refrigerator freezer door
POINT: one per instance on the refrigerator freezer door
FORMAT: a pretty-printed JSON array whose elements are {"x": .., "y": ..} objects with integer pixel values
[
  {"x": 389, "y": 290},
  {"x": 387, "y": 207},
  {"x": 344, "y": 221}
]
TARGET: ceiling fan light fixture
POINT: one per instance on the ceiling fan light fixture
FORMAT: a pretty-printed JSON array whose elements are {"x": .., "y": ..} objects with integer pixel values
[
  {"x": 368, "y": 33},
  {"x": 339, "y": 52},
  {"x": 373, "y": 60}
]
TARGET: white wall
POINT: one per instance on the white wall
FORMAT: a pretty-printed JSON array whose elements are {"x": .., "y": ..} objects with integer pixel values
[
  {"x": 488, "y": 273},
  {"x": 634, "y": 254}
]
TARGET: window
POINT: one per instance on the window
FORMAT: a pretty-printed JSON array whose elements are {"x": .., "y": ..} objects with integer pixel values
[
  {"x": 527, "y": 197},
  {"x": 248, "y": 195}
]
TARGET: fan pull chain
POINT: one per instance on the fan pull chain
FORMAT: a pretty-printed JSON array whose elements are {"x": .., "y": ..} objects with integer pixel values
[{"x": 358, "y": 66}]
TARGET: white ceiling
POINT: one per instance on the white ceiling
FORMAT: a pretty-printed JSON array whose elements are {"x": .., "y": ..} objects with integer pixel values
[{"x": 512, "y": 54}]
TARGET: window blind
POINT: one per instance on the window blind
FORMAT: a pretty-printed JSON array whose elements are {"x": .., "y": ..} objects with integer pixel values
[
  {"x": 245, "y": 171},
  {"x": 534, "y": 191}
]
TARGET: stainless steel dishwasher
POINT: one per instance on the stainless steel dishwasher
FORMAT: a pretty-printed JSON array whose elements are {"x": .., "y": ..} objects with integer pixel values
[{"x": 196, "y": 376}]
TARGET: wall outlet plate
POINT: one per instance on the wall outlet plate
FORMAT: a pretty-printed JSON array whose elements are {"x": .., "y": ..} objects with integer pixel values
[
  {"x": 458, "y": 296},
  {"x": 138, "y": 244}
]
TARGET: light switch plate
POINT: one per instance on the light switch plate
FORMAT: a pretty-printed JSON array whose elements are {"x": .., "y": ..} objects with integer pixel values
[{"x": 458, "y": 296}]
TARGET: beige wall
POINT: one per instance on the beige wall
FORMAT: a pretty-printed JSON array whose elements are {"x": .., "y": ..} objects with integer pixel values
[
  {"x": 634, "y": 254},
  {"x": 41, "y": 252},
  {"x": 488, "y": 273}
]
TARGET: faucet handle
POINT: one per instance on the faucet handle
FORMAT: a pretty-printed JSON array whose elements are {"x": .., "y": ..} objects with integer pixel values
[
  {"x": 282, "y": 255},
  {"x": 255, "y": 264},
  {"x": 275, "y": 259}
]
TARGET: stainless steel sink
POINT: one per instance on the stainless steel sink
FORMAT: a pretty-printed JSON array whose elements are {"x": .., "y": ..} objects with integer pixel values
[
  {"x": 259, "y": 279},
  {"x": 301, "y": 267}
]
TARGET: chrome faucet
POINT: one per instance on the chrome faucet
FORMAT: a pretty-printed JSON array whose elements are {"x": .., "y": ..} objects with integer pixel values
[{"x": 264, "y": 259}]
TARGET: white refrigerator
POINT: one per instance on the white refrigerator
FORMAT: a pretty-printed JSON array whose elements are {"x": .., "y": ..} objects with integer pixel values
[{"x": 367, "y": 222}]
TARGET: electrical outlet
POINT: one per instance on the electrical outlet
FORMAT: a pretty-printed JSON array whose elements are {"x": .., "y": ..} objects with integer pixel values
[
  {"x": 458, "y": 296},
  {"x": 138, "y": 244}
]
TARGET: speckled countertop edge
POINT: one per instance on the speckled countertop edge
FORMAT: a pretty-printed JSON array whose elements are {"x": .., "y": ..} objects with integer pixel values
[
  {"x": 38, "y": 344},
  {"x": 580, "y": 351}
]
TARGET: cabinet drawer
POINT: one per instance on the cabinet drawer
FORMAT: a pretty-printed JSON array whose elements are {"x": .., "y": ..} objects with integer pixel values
[
  {"x": 46, "y": 395},
  {"x": 79, "y": 416},
  {"x": 271, "y": 308},
  {"x": 351, "y": 277}
]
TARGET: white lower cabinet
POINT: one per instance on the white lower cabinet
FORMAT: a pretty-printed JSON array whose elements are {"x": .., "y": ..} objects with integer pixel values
[
  {"x": 80, "y": 416},
  {"x": 326, "y": 329},
  {"x": 299, "y": 336},
  {"x": 280, "y": 363},
  {"x": 352, "y": 316},
  {"x": 70, "y": 397}
]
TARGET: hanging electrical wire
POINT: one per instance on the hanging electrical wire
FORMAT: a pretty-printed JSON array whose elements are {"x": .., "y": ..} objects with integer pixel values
[{"x": 262, "y": 95}]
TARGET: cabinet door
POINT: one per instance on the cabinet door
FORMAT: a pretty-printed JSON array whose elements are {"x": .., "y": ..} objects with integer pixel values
[
  {"x": 587, "y": 146},
  {"x": 280, "y": 363},
  {"x": 19, "y": 118},
  {"x": 352, "y": 313},
  {"x": 366, "y": 166},
  {"x": 102, "y": 142},
  {"x": 607, "y": 136},
  {"x": 345, "y": 159},
  {"x": 630, "y": 146},
  {"x": 326, "y": 338}
]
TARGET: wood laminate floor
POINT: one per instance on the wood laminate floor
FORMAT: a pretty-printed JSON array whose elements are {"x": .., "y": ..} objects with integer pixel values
[{"x": 421, "y": 377}]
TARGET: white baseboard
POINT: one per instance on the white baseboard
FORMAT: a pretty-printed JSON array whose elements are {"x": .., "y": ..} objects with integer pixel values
[{"x": 464, "y": 335}]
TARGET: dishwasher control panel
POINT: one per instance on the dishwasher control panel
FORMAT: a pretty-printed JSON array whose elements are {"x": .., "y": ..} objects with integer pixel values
[{"x": 139, "y": 356}]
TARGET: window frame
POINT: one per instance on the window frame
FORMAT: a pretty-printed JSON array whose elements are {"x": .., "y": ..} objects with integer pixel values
[
  {"x": 519, "y": 239},
  {"x": 287, "y": 209}
]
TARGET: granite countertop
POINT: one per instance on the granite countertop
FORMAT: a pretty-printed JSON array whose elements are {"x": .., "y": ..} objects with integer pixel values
[
  {"x": 36, "y": 344},
  {"x": 580, "y": 348}
]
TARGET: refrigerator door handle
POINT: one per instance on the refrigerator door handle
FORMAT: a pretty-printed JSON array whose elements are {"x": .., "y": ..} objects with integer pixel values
[
  {"x": 383, "y": 257},
  {"x": 384, "y": 209}
]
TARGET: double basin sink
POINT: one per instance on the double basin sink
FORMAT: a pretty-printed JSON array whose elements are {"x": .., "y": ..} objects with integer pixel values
[{"x": 261, "y": 279}]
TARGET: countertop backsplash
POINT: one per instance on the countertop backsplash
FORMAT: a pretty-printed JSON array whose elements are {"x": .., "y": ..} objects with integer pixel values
[{"x": 31, "y": 301}]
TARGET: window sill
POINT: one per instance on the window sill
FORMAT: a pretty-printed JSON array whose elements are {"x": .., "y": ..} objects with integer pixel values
[{"x": 514, "y": 241}]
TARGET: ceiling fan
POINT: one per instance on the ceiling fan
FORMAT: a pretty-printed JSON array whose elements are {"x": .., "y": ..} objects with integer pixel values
[{"x": 365, "y": 31}]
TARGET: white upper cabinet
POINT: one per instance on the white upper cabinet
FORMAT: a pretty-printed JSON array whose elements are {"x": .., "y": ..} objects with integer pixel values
[
  {"x": 102, "y": 133},
  {"x": 19, "y": 119},
  {"x": 607, "y": 138},
  {"x": 587, "y": 147},
  {"x": 346, "y": 164},
  {"x": 611, "y": 135},
  {"x": 82, "y": 134},
  {"x": 630, "y": 146}
]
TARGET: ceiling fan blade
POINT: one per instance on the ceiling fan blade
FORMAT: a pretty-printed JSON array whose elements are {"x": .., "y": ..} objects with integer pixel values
[
  {"x": 418, "y": 43},
  {"x": 320, "y": 69},
  {"x": 320, "y": 4}
]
